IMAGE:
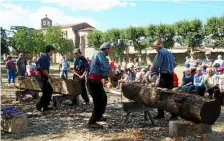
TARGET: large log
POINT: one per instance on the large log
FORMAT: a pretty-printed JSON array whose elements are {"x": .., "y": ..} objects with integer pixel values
[
  {"x": 60, "y": 86},
  {"x": 190, "y": 107}
]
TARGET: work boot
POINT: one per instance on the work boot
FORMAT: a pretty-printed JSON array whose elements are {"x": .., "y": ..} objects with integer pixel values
[
  {"x": 102, "y": 119},
  {"x": 158, "y": 117}
]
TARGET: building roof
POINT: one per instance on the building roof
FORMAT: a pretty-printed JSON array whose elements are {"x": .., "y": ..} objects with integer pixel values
[{"x": 87, "y": 29}]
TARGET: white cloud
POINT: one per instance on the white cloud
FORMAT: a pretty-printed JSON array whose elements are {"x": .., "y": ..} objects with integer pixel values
[
  {"x": 91, "y": 5},
  {"x": 16, "y": 15}
]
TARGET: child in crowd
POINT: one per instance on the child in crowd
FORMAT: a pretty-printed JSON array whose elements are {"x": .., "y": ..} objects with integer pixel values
[{"x": 30, "y": 69}]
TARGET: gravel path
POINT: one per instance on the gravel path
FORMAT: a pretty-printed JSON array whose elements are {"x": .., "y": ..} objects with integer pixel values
[{"x": 69, "y": 123}]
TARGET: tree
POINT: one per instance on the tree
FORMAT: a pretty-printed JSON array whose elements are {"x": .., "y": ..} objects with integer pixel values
[
  {"x": 96, "y": 39},
  {"x": 4, "y": 42},
  {"x": 117, "y": 38},
  {"x": 138, "y": 38},
  {"x": 37, "y": 41},
  {"x": 166, "y": 33},
  {"x": 54, "y": 35},
  {"x": 190, "y": 32},
  {"x": 150, "y": 32}
]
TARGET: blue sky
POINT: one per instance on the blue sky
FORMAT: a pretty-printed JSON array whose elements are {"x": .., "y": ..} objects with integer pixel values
[{"x": 105, "y": 14}]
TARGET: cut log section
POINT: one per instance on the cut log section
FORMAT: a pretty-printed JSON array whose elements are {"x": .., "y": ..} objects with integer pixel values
[
  {"x": 60, "y": 86},
  {"x": 190, "y": 107}
]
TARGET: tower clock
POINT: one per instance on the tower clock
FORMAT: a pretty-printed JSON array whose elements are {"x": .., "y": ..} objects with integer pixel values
[{"x": 46, "y": 22}]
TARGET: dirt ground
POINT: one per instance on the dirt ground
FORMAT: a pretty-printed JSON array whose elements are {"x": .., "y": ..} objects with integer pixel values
[{"x": 69, "y": 123}]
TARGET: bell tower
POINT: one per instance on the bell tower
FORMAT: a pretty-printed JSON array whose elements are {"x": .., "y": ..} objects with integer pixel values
[{"x": 46, "y": 22}]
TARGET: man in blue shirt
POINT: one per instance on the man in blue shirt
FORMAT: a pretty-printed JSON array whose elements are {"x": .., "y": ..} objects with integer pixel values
[
  {"x": 99, "y": 68},
  {"x": 164, "y": 64},
  {"x": 43, "y": 66},
  {"x": 63, "y": 68},
  {"x": 81, "y": 68}
]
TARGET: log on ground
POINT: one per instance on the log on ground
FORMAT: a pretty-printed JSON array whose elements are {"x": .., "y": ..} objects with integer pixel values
[{"x": 190, "y": 107}]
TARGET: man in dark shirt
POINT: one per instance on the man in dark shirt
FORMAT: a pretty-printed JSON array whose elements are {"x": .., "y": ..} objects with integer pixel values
[
  {"x": 21, "y": 65},
  {"x": 81, "y": 68},
  {"x": 43, "y": 66}
]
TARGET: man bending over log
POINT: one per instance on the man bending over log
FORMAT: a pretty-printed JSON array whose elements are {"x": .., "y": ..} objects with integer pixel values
[
  {"x": 99, "y": 68},
  {"x": 43, "y": 66},
  {"x": 164, "y": 64},
  {"x": 81, "y": 68}
]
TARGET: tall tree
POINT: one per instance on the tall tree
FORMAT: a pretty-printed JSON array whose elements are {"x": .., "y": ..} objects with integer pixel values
[
  {"x": 138, "y": 38},
  {"x": 54, "y": 35},
  {"x": 117, "y": 38},
  {"x": 4, "y": 42},
  {"x": 96, "y": 39},
  {"x": 190, "y": 32},
  {"x": 151, "y": 35},
  {"x": 166, "y": 33}
]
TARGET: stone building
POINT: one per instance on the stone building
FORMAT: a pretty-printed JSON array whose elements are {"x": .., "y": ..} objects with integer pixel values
[{"x": 77, "y": 32}]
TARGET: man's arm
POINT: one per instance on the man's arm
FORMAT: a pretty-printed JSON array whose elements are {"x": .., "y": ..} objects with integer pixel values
[
  {"x": 17, "y": 65},
  {"x": 157, "y": 62}
]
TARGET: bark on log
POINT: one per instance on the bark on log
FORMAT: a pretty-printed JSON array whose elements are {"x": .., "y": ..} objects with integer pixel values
[
  {"x": 60, "y": 86},
  {"x": 190, "y": 107}
]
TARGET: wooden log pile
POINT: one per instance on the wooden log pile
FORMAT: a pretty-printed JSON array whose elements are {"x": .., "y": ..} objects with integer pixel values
[
  {"x": 60, "y": 86},
  {"x": 190, "y": 107}
]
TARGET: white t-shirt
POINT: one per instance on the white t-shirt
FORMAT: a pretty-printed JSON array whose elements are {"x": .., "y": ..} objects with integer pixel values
[
  {"x": 219, "y": 61},
  {"x": 130, "y": 64},
  {"x": 139, "y": 76}
]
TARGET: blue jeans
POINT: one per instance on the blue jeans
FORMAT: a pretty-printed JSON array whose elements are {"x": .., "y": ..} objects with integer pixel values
[
  {"x": 64, "y": 74},
  {"x": 200, "y": 89},
  {"x": 11, "y": 75}
]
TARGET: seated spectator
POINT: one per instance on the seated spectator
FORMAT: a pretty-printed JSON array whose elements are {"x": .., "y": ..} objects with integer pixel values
[
  {"x": 139, "y": 74},
  {"x": 198, "y": 82},
  {"x": 130, "y": 63},
  {"x": 136, "y": 63},
  {"x": 187, "y": 81},
  {"x": 123, "y": 64},
  {"x": 211, "y": 83},
  {"x": 132, "y": 73},
  {"x": 124, "y": 78},
  {"x": 146, "y": 76},
  {"x": 219, "y": 61},
  {"x": 30, "y": 69},
  {"x": 207, "y": 62},
  {"x": 193, "y": 62}
]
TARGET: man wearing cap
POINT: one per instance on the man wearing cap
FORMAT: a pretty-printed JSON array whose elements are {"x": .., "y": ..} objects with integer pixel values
[
  {"x": 81, "y": 68},
  {"x": 207, "y": 62},
  {"x": 43, "y": 66},
  {"x": 99, "y": 68},
  {"x": 163, "y": 64}
]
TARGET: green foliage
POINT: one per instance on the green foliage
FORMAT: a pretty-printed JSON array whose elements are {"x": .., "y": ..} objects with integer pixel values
[
  {"x": 4, "y": 42},
  {"x": 137, "y": 36},
  {"x": 28, "y": 40},
  {"x": 54, "y": 35},
  {"x": 190, "y": 32},
  {"x": 96, "y": 39}
]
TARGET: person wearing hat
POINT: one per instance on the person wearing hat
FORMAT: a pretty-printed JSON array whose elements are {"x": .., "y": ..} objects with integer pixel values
[
  {"x": 80, "y": 70},
  {"x": 42, "y": 73},
  {"x": 11, "y": 70},
  {"x": 99, "y": 69},
  {"x": 219, "y": 61},
  {"x": 207, "y": 62}
]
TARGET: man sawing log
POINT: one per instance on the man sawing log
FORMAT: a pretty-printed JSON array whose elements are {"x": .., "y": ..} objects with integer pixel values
[
  {"x": 99, "y": 68},
  {"x": 80, "y": 69},
  {"x": 43, "y": 66}
]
